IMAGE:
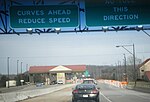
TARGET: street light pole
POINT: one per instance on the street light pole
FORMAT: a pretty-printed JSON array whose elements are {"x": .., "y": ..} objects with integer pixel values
[
  {"x": 135, "y": 73},
  {"x": 119, "y": 70},
  {"x": 21, "y": 74},
  {"x": 125, "y": 67},
  {"x": 17, "y": 67},
  {"x": 17, "y": 72},
  {"x": 8, "y": 69},
  {"x": 133, "y": 54}
]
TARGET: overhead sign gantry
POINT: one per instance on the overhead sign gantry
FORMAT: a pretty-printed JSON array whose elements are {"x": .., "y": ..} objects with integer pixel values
[
  {"x": 44, "y": 16},
  {"x": 117, "y": 12}
]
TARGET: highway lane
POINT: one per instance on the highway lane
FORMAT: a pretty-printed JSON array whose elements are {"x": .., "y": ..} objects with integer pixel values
[
  {"x": 64, "y": 95},
  {"x": 108, "y": 94},
  {"x": 113, "y": 94}
]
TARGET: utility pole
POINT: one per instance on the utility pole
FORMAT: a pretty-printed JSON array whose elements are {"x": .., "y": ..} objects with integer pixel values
[
  {"x": 21, "y": 68},
  {"x": 119, "y": 71},
  {"x": 17, "y": 66},
  {"x": 125, "y": 68},
  {"x": 27, "y": 67}
]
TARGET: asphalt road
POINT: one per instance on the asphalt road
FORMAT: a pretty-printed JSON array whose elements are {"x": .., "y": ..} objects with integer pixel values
[
  {"x": 108, "y": 94},
  {"x": 112, "y": 94}
]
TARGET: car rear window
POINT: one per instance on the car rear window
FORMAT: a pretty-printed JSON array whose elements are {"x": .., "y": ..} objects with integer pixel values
[
  {"x": 88, "y": 81},
  {"x": 85, "y": 87}
]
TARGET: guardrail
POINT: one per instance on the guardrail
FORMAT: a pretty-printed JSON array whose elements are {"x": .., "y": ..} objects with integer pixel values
[{"x": 140, "y": 84}]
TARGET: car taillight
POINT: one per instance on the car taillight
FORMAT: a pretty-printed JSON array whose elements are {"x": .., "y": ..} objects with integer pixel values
[
  {"x": 94, "y": 91},
  {"x": 75, "y": 91}
]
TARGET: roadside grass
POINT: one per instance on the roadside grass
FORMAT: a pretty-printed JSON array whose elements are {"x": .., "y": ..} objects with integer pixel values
[{"x": 140, "y": 84}]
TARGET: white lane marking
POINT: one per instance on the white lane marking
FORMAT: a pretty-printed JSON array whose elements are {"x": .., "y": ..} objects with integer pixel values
[{"x": 105, "y": 97}]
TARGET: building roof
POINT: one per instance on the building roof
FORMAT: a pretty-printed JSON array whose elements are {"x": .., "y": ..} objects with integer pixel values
[
  {"x": 144, "y": 62},
  {"x": 40, "y": 69},
  {"x": 46, "y": 69},
  {"x": 59, "y": 69},
  {"x": 76, "y": 67}
]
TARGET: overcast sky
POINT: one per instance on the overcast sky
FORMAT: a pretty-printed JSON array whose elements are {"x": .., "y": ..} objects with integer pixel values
[{"x": 97, "y": 48}]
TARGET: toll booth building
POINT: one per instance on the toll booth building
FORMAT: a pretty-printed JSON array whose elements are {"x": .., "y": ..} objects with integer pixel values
[{"x": 55, "y": 74}]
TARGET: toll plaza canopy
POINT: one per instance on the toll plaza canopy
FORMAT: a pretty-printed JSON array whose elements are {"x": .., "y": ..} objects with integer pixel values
[
  {"x": 60, "y": 69},
  {"x": 47, "y": 69},
  {"x": 53, "y": 74}
]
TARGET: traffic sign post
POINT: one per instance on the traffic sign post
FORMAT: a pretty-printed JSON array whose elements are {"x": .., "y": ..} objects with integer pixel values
[
  {"x": 44, "y": 16},
  {"x": 117, "y": 12}
]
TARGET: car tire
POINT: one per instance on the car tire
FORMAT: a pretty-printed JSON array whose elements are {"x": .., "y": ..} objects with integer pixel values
[
  {"x": 97, "y": 100},
  {"x": 74, "y": 100}
]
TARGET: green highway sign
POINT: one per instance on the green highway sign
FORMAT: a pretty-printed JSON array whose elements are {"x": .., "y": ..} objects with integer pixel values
[
  {"x": 117, "y": 12},
  {"x": 44, "y": 16},
  {"x": 86, "y": 73}
]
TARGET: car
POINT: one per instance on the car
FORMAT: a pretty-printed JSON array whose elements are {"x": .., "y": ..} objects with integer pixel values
[
  {"x": 39, "y": 84},
  {"x": 85, "y": 92},
  {"x": 90, "y": 81},
  {"x": 59, "y": 82},
  {"x": 53, "y": 82}
]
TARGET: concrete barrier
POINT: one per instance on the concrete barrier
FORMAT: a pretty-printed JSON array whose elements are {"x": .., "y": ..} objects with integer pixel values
[
  {"x": 21, "y": 95},
  {"x": 120, "y": 84}
]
